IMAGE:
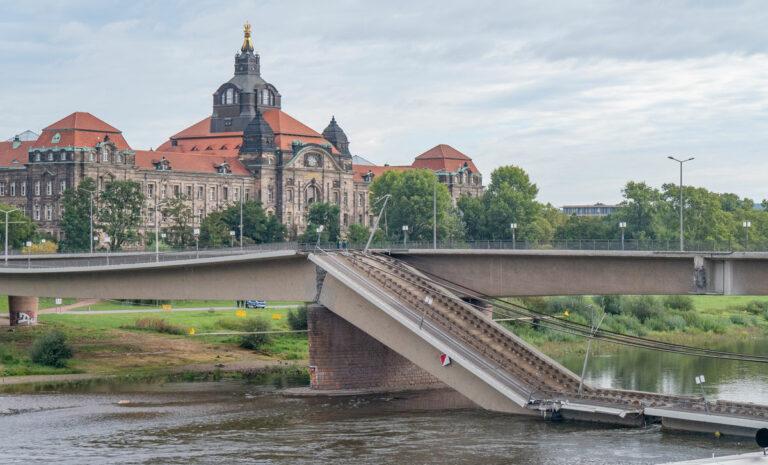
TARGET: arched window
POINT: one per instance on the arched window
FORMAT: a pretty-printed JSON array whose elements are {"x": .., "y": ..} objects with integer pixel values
[
  {"x": 228, "y": 97},
  {"x": 312, "y": 195},
  {"x": 267, "y": 98}
]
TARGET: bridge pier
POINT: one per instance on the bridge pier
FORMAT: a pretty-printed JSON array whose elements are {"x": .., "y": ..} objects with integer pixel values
[
  {"x": 342, "y": 357},
  {"x": 22, "y": 310}
]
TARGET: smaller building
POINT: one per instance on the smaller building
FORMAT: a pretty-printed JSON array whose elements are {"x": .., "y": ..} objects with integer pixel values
[{"x": 598, "y": 209}]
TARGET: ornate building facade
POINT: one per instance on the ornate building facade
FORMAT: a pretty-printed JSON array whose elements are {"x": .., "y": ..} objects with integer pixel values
[{"x": 249, "y": 149}]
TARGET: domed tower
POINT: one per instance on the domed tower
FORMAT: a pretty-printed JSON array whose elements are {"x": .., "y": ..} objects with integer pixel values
[
  {"x": 235, "y": 102},
  {"x": 336, "y": 136}
]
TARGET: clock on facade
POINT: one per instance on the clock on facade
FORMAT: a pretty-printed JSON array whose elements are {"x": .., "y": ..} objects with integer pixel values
[{"x": 313, "y": 160}]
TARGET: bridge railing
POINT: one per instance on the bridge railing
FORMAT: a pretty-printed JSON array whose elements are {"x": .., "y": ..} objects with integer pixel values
[{"x": 570, "y": 244}]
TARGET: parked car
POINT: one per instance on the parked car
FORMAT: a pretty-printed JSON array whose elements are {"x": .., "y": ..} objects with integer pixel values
[{"x": 255, "y": 304}]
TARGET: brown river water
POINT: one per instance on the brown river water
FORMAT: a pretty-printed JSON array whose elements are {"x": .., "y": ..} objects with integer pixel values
[{"x": 230, "y": 422}]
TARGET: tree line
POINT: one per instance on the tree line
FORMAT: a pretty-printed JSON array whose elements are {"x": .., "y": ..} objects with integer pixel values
[{"x": 415, "y": 199}]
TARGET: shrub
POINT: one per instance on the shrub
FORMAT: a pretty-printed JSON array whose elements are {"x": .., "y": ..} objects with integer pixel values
[
  {"x": 610, "y": 303},
  {"x": 742, "y": 319},
  {"x": 674, "y": 322},
  {"x": 642, "y": 307},
  {"x": 158, "y": 325},
  {"x": 255, "y": 341},
  {"x": 51, "y": 349},
  {"x": 298, "y": 320},
  {"x": 756, "y": 307},
  {"x": 712, "y": 323},
  {"x": 46, "y": 247},
  {"x": 625, "y": 324},
  {"x": 679, "y": 302}
]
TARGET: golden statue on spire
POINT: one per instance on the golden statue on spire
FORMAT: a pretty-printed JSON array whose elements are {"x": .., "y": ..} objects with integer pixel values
[{"x": 247, "y": 41}]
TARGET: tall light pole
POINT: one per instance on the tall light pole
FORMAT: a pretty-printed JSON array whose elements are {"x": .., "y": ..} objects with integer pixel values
[
  {"x": 157, "y": 230},
  {"x": 513, "y": 227},
  {"x": 747, "y": 224},
  {"x": 90, "y": 216},
  {"x": 7, "y": 212},
  {"x": 405, "y": 236},
  {"x": 434, "y": 215},
  {"x": 622, "y": 226},
  {"x": 242, "y": 189},
  {"x": 682, "y": 240}
]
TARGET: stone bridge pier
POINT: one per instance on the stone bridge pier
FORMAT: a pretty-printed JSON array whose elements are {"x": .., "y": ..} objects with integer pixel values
[
  {"x": 342, "y": 357},
  {"x": 22, "y": 310}
]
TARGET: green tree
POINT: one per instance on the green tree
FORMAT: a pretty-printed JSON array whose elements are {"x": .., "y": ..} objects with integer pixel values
[
  {"x": 258, "y": 226},
  {"x": 178, "y": 215},
  {"x": 119, "y": 214},
  {"x": 20, "y": 227},
  {"x": 327, "y": 216},
  {"x": 357, "y": 234},
  {"x": 411, "y": 204},
  {"x": 76, "y": 220}
]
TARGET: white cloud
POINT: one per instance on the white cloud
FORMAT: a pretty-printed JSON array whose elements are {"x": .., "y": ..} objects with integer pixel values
[{"x": 583, "y": 96}]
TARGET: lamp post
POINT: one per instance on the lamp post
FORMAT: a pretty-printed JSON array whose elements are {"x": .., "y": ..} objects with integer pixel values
[
  {"x": 242, "y": 189},
  {"x": 196, "y": 233},
  {"x": 682, "y": 241},
  {"x": 157, "y": 231},
  {"x": 231, "y": 238},
  {"x": 90, "y": 216},
  {"x": 405, "y": 236},
  {"x": 7, "y": 212},
  {"x": 747, "y": 224},
  {"x": 319, "y": 230},
  {"x": 622, "y": 226},
  {"x": 513, "y": 227},
  {"x": 434, "y": 215}
]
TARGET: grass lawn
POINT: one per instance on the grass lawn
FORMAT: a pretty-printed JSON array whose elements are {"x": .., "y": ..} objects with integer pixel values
[
  {"x": 118, "y": 305},
  {"x": 719, "y": 303}
]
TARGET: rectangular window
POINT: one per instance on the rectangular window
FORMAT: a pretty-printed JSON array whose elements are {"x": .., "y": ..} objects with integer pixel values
[
  {"x": 150, "y": 190},
  {"x": 225, "y": 193},
  {"x": 346, "y": 199},
  {"x": 2, "y": 188},
  {"x": 49, "y": 188},
  {"x": 212, "y": 194},
  {"x": 63, "y": 186},
  {"x": 199, "y": 192},
  {"x": 35, "y": 213},
  {"x": 48, "y": 213},
  {"x": 177, "y": 191},
  {"x": 13, "y": 189},
  {"x": 189, "y": 192},
  {"x": 23, "y": 189},
  {"x": 37, "y": 192},
  {"x": 164, "y": 191},
  {"x": 247, "y": 194}
]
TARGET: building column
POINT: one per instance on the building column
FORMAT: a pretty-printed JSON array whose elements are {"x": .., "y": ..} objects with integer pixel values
[{"x": 22, "y": 310}]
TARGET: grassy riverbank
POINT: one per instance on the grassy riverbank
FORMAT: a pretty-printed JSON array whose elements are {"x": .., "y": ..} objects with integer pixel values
[
  {"x": 124, "y": 343},
  {"x": 701, "y": 321}
]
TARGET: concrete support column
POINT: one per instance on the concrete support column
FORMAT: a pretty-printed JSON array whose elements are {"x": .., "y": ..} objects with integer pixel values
[
  {"x": 22, "y": 310},
  {"x": 342, "y": 357}
]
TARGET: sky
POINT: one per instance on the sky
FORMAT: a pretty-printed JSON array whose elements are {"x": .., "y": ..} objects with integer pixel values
[{"x": 583, "y": 95}]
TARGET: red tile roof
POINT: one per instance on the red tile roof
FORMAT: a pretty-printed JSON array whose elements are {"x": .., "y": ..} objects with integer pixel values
[
  {"x": 8, "y": 154},
  {"x": 443, "y": 157},
  {"x": 80, "y": 129},
  {"x": 362, "y": 170},
  {"x": 286, "y": 128},
  {"x": 189, "y": 162}
]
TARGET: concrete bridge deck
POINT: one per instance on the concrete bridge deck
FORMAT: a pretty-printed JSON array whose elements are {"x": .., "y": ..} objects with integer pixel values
[{"x": 421, "y": 320}]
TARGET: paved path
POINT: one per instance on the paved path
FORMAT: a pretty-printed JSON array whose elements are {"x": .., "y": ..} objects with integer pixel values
[
  {"x": 65, "y": 308},
  {"x": 160, "y": 310}
]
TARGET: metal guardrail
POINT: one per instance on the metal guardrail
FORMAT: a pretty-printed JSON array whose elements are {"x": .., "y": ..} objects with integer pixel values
[{"x": 17, "y": 259}]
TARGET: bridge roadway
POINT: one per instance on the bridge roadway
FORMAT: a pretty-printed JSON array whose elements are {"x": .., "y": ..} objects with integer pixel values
[{"x": 421, "y": 319}]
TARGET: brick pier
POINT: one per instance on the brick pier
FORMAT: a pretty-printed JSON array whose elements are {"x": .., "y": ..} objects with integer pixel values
[{"x": 341, "y": 356}]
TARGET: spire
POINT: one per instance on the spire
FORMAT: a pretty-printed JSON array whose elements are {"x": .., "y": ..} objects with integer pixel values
[
  {"x": 247, "y": 41},
  {"x": 336, "y": 136}
]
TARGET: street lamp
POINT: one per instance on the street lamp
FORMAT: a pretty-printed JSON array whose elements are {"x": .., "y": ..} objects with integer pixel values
[
  {"x": 747, "y": 225},
  {"x": 682, "y": 243},
  {"x": 622, "y": 226},
  {"x": 196, "y": 233},
  {"x": 7, "y": 212},
  {"x": 319, "y": 230},
  {"x": 405, "y": 236},
  {"x": 231, "y": 238},
  {"x": 513, "y": 227},
  {"x": 157, "y": 230}
]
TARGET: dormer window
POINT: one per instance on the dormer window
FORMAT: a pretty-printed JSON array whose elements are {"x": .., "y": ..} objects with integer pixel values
[
  {"x": 267, "y": 98},
  {"x": 162, "y": 165},
  {"x": 37, "y": 156},
  {"x": 56, "y": 138},
  {"x": 50, "y": 156},
  {"x": 223, "y": 168},
  {"x": 368, "y": 177},
  {"x": 228, "y": 97}
]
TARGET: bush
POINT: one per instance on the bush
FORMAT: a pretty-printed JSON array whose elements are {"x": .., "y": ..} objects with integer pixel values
[
  {"x": 679, "y": 302},
  {"x": 51, "y": 349},
  {"x": 756, "y": 307},
  {"x": 46, "y": 247},
  {"x": 255, "y": 341},
  {"x": 712, "y": 323},
  {"x": 674, "y": 322},
  {"x": 610, "y": 303},
  {"x": 643, "y": 307},
  {"x": 298, "y": 320},
  {"x": 158, "y": 325},
  {"x": 626, "y": 324}
]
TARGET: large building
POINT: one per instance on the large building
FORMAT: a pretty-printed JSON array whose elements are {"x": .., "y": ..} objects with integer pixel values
[{"x": 248, "y": 148}]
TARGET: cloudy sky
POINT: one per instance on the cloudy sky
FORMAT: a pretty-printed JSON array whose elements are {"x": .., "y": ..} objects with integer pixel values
[{"x": 583, "y": 95}]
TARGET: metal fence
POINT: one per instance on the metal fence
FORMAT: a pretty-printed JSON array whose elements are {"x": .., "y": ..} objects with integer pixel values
[{"x": 18, "y": 259}]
